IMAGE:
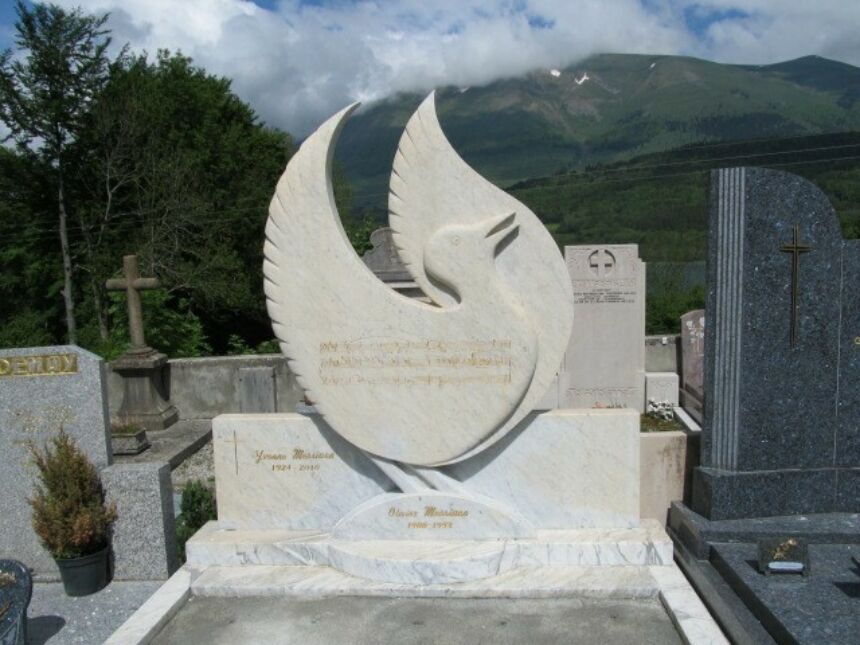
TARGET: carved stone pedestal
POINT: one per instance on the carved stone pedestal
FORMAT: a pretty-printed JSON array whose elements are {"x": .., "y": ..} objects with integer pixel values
[{"x": 145, "y": 398}]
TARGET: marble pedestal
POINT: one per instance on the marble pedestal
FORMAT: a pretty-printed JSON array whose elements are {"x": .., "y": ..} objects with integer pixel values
[
  {"x": 561, "y": 490},
  {"x": 145, "y": 396}
]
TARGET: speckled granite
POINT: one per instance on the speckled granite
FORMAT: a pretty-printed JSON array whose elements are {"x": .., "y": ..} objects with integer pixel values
[
  {"x": 772, "y": 439},
  {"x": 41, "y": 390},
  {"x": 819, "y": 609},
  {"x": 144, "y": 536},
  {"x": 698, "y": 532},
  {"x": 848, "y": 428}
]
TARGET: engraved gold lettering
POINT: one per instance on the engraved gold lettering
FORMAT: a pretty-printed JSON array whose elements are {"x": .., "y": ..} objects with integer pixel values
[
  {"x": 393, "y": 511},
  {"x": 262, "y": 455},
  {"x": 298, "y": 453},
  {"x": 39, "y": 365},
  {"x": 432, "y": 511}
]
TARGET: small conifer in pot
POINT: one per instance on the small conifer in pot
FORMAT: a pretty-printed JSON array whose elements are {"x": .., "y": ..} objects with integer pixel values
[{"x": 70, "y": 514}]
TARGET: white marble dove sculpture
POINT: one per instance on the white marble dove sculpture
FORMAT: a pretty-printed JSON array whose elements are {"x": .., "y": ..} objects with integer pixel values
[{"x": 418, "y": 383}]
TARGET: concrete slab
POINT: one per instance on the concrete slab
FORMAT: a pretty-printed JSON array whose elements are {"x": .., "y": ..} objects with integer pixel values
[
  {"x": 173, "y": 445},
  {"x": 56, "y": 619},
  {"x": 357, "y": 620}
]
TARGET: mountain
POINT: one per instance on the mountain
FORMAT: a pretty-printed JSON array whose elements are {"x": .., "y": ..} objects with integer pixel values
[{"x": 608, "y": 108}]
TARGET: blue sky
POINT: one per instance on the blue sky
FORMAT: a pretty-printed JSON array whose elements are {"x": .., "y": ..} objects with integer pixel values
[{"x": 296, "y": 61}]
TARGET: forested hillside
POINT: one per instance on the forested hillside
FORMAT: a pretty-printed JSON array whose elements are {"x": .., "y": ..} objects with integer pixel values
[
  {"x": 157, "y": 157},
  {"x": 608, "y": 108}
]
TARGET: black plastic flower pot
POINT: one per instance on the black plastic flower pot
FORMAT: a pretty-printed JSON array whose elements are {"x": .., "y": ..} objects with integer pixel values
[{"x": 85, "y": 575}]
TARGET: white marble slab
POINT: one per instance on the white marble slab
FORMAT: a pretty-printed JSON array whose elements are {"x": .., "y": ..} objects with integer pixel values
[
  {"x": 152, "y": 615},
  {"x": 288, "y": 471},
  {"x": 431, "y": 515},
  {"x": 662, "y": 387},
  {"x": 563, "y": 469},
  {"x": 689, "y": 614},
  {"x": 591, "y": 582},
  {"x": 410, "y": 561},
  {"x": 559, "y": 469}
]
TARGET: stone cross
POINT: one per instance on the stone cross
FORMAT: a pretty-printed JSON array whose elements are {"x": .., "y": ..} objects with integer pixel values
[{"x": 133, "y": 284}]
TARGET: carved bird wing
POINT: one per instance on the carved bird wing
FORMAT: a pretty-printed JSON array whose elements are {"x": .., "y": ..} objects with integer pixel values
[
  {"x": 310, "y": 269},
  {"x": 432, "y": 186},
  {"x": 399, "y": 378}
]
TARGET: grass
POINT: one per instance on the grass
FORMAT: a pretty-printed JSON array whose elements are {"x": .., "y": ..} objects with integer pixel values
[{"x": 652, "y": 424}]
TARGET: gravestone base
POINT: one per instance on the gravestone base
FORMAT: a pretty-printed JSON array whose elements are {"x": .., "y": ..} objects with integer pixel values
[
  {"x": 145, "y": 399},
  {"x": 562, "y": 489},
  {"x": 725, "y": 495},
  {"x": 720, "y": 558},
  {"x": 430, "y": 562},
  {"x": 129, "y": 443}
]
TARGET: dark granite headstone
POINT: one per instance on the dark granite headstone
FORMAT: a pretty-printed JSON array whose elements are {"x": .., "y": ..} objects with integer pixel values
[
  {"x": 781, "y": 432},
  {"x": 16, "y": 588},
  {"x": 692, "y": 362}
]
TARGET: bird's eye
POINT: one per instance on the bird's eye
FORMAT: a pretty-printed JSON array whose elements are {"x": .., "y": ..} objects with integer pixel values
[{"x": 455, "y": 240}]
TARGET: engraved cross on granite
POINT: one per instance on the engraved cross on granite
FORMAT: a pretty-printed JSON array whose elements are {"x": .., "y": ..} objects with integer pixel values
[
  {"x": 795, "y": 248},
  {"x": 133, "y": 284}
]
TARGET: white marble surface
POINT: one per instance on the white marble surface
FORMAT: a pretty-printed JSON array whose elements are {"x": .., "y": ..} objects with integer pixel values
[
  {"x": 563, "y": 469},
  {"x": 431, "y": 515},
  {"x": 288, "y": 471},
  {"x": 663, "y": 459},
  {"x": 431, "y": 560},
  {"x": 593, "y": 582},
  {"x": 689, "y": 614},
  {"x": 661, "y": 387},
  {"x": 399, "y": 378},
  {"x": 152, "y": 615},
  {"x": 605, "y": 358},
  {"x": 688, "y": 421},
  {"x": 418, "y": 563},
  {"x": 559, "y": 469}
]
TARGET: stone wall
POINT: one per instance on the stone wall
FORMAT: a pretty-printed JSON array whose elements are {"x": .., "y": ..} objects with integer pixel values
[
  {"x": 661, "y": 353},
  {"x": 203, "y": 388}
]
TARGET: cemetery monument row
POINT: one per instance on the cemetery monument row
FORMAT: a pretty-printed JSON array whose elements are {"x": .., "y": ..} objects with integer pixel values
[{"x": 425, "y": 463}]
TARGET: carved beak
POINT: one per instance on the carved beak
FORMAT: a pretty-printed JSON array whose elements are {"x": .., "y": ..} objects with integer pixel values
[{"x": 498, "y": 229}]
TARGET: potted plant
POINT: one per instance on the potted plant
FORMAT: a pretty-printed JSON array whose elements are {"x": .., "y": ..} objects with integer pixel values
[{"x": 70, "y": 515}]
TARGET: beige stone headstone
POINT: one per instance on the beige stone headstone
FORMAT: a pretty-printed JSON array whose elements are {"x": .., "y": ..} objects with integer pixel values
[{"x": 604, "y": 363}]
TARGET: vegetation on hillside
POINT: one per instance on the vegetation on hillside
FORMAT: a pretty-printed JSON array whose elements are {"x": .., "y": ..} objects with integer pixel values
[
  {"x": 660, "y": 202},
  {"x": 161, "y": 160}
]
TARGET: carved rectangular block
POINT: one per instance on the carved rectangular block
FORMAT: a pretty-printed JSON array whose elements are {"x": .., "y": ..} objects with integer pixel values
[{"x": 605, "y": 358}]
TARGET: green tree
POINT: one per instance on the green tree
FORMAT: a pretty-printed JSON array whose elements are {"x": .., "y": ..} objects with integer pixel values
[
  {"x": 45, "y": 96},
  {"x": 180, "y": 171}
]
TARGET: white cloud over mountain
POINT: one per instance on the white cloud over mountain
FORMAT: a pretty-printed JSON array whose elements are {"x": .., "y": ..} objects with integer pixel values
[{"x": 298, "y": 63}]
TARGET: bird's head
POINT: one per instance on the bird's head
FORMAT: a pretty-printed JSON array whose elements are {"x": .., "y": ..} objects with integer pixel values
[{"x": 459, "y": 254}]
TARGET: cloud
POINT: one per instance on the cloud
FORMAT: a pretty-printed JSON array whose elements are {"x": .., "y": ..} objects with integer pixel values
[{"x": 298, "y": 63}]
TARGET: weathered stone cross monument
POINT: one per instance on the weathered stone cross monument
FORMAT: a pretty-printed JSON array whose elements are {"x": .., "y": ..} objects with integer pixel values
[
  {"x": 133, "y": 284},
  {"x": 145, "y": 401}
]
